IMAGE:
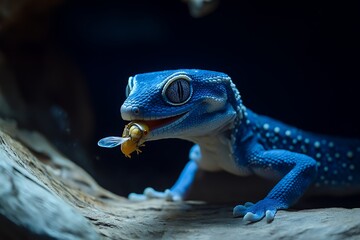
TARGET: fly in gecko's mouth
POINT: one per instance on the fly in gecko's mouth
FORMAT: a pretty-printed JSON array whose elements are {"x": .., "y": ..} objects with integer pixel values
[{"x": 136, "y": 133}]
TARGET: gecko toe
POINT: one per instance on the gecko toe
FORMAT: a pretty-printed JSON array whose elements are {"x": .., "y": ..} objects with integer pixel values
[
  {"x": 251, "y": 217},
  {"x": 137, "y": 197},
  {"x": 149, "y": 192},
  {"x": 270, "y": 215},
  {"x": 239, "y": 211},
  {"x": 248, "y": 204}
]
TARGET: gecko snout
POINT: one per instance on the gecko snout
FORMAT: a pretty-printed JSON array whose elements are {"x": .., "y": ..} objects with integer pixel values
[{"x": 130, "y": 113}]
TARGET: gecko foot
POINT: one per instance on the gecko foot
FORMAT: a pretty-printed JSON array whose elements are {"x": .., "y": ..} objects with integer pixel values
[
  {"x": 255, "y": 212},
  {"x": 150, "y": 193}
]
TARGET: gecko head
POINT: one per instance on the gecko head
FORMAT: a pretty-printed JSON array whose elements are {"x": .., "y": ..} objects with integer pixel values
[{"x": 180, "y": 103}]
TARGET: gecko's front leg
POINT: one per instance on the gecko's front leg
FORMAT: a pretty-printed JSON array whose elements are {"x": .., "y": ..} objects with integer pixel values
[
  {"x": 297, "y": 171},
  {"x": 180, "y": 188}
]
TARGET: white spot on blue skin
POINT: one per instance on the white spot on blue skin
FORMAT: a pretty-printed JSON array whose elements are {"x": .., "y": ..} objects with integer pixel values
[
  {"x": 284, "y": 142},
  {"x": 349, "y": 154},
  {"x": 247, "y": 121},
  {"x": 294, "y": 141},
  {"x": 330, "y": 159},
  {"x": 276, "y": 129},
  {"x": 267, "y": 134},
  {"x": 318, "y": 164},
  {"x": 335, "y": 172},
  {"x": 344, "y": 165},
  {"x": 266, "y": 126},
  {"x": 352, "y": 167},
  {"x": 288, "y": 133},
  {"x": 326, "y": 168},
  {"x": 331, "y": 144},
  {"x": 318, "y": 155},
  {"x": 317, "y": 144},
  {"x": 291, "y": 147},
  {"x": 307, "y": 140},
  {"x": 337, "y": 155},
  {"x": 299, "y": 137}
]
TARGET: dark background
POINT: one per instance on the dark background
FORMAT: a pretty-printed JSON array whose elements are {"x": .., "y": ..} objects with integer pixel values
[{"x": 294, "y": 61}]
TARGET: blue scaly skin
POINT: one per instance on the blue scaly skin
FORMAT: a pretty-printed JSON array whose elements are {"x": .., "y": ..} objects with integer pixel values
[{"x": 206, "y": 108}]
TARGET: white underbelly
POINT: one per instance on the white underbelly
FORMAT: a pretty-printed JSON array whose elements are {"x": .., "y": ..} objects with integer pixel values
[{"x": 216, "y": 155}]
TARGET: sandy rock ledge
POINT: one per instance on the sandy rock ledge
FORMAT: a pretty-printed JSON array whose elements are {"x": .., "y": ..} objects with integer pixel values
[{"x": 44, "y": 195}]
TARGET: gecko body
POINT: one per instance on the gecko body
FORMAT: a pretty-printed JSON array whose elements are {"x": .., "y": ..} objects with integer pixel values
[{"x": 206, "y": 108}]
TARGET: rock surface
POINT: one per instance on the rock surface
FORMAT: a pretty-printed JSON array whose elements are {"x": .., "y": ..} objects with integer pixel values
[{"x": 45, "y": 195}]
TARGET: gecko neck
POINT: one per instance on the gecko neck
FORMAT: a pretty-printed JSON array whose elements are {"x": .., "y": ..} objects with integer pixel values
[{"x": 229, "y": 130}]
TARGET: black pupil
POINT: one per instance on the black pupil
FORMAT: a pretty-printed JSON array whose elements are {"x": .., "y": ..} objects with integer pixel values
[{"x": 178, "y": 91}]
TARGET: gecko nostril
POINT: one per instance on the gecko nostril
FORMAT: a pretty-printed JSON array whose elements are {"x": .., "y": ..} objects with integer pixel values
[
  {"x": 135, "y": 110},
  {"x": 130, "y": 113}
]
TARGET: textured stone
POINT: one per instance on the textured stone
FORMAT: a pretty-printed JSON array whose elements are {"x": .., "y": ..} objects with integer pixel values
[{"x": 30, "y": 203}]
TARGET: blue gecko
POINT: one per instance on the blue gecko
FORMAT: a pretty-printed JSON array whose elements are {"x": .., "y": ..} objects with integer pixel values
[{"x": 205, "y": 107}]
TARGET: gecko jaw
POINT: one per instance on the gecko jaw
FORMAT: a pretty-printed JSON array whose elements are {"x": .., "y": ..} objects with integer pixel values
[
  {"x": 160, "y": 126},
  {"x": 159, "y": 123}
]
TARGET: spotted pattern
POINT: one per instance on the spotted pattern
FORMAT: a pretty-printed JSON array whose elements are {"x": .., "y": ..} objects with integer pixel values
[{"x": 338, "y": 159}]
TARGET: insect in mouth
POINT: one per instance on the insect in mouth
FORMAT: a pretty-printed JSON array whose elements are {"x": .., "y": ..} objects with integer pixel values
[{"x": 132, "y": 139}]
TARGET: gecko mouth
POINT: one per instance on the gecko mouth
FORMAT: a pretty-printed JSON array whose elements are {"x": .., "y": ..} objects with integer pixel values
[{"x": 155, "y": 124}]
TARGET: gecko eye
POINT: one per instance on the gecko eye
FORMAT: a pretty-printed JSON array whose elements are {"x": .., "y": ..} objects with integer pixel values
[{"x": 177, "y": 90}]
